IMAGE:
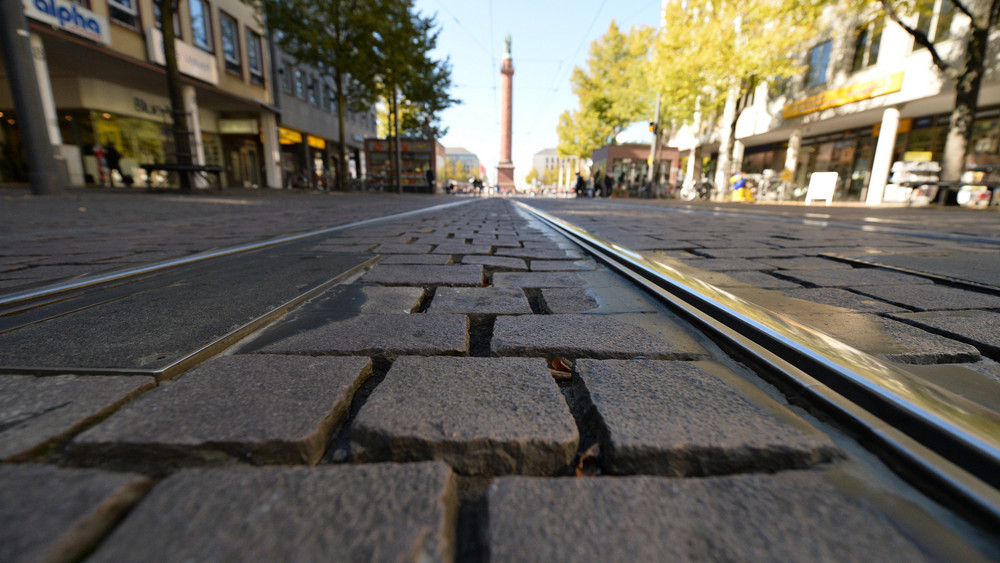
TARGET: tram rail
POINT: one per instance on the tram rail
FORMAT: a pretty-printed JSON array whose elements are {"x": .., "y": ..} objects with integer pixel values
[{"x": 945, "y": 444}]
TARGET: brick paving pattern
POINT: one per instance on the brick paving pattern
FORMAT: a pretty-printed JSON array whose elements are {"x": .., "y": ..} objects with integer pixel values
[{"x": 438, "y": 407}]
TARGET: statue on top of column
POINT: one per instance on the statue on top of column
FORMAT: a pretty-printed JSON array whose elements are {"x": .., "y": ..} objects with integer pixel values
[{"x": 506, "y": 47}]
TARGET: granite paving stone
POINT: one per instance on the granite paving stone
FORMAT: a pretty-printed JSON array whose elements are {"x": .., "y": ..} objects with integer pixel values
[
  {"x": 805, "y": 263},
  {"x": 932, "y": 297},
  {"x": 790, "y": 516},
  {"x": 425, "y": 259},
  {"x": 396, "y": 248},
  {"x": 842, "y": 298},
  {"x": 674, "y": 419},
  {"x": 505, "y": 263},
  {"x": 480, "y": 301},
  {"x": 592, "y": 336},
  {"x": 544, "y": 253},
  {"x": 726, "y": 264},
  {"x": 346, "y": 300},
  {"x": 425, "y": 275},
  {"x": 462, "y": 248},
  {"x": 385, "y": 336},
  {"x": 559, "y": 265},
  {"x": 891, "y": 339},
  {"x": 278, "y": 409},
  {"x": 56, "y": 514},
  {"x": 511, "y": 419},
  {"x": 595, "y": 300},
  {"x": 381, "y": 512},
  {"x": 36, "y": 412},
  {"x": 981, "y": 328},
  {"x": 531, "y": 280},
  {"x": 854, "y": 277}
]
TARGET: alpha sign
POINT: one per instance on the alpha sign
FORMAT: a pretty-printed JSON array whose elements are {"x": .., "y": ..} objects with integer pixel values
[{"x": 67, "y": 16}]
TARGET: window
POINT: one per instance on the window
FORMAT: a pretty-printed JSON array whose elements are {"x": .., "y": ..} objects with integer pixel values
[
  {"x": 819, "y": 60},
  {"x": 935, "y": 19},
  {"x": 300, "y": 84},
  {"x": 866, "y": 45},
  {"x": 327, "y": 97},
  {"x": 314, "y": 87},
  {"x": 230, "y": 33},
  {"x": 201, "y": 25},
  {"x": 124, "y": 12},
  {"x": 286, "y": 77},
  {"x": 158, "y": 13},
  {"x": 255, "y": 57}
]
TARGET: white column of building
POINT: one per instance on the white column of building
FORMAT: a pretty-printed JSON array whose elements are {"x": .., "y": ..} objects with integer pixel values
[
  {"x": 272, "y": 149},
  {"x": 883, "y": 156},
  {"x": 197, "y": 145},
  {"x": 45, "y": 86},
  {"x": 792, "y": 154}
]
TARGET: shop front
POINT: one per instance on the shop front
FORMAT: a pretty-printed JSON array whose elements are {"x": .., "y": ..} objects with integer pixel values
[
  {"x": 420, "y": 160},
  {"x": 628, "y": 167}
]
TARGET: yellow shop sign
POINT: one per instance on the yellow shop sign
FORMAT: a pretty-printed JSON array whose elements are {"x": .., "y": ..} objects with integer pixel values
[
  {"x": 846, "y": 95},
  {"x": 289, "y": 137},
  {"x": 315, "y": 142}
]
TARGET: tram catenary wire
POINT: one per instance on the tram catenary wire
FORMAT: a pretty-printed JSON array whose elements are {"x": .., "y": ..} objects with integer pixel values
[{"x": 943, "y": 443}]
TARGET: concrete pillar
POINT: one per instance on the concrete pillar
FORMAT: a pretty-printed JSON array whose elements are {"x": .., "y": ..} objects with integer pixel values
[
  {"x": 883, "y": 156},
  {"x": 792, "y": 155},
  {"x": 272, "y": 149},
  {"x": 693, "y": 172},
  {"x": 738, "y": 149},
  {"x": 197, "y": 145},
  {"x": 45, "y": 88}
]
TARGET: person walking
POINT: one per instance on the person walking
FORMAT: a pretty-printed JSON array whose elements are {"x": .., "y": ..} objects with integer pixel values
[{"x": 580, "y": 187}]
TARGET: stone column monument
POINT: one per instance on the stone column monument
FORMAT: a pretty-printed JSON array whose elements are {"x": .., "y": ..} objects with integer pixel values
[{"x": 505, "y": 168}]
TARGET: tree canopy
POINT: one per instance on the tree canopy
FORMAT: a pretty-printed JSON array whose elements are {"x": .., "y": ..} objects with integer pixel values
[
  {"x": 370, "y": 49},
  {"x": 613, "y": 91}
]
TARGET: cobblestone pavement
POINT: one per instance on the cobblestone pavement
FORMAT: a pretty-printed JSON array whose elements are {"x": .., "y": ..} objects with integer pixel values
[{"x": 484, "y": 392}]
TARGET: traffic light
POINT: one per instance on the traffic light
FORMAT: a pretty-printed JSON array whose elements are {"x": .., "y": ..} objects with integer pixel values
[{"x": 652, "y": 127}]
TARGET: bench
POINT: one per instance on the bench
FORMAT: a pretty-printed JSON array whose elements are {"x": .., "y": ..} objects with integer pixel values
[{"x": 202, "y": 169}]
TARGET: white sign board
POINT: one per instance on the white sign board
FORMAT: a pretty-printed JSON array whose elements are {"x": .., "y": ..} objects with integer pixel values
[
  {"x": 821, "y": 186},
  {"x": 67, "y": 16},
  {"x": 191, "y": 60}
]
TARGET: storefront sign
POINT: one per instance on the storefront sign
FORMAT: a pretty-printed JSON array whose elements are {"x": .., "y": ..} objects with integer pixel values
[
  {"x": 67, "y": 16},
  {"x": 238, "y": 127},
  {"x": 289, "y": 137},
  {"x": 190, "y": 60},
  {"x": 142, "y": 106},
  {"x": 845, "y": 95},
  {"x": 315, "y": 142}
]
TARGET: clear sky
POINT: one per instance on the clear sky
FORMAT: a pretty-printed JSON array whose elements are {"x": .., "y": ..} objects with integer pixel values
[{"x": 548, "y": 38}]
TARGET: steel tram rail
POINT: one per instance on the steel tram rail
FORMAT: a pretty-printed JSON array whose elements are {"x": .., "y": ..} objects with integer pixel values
[
  {"x": 62, "y": 294},
  {"x": 943, "y": 443}
]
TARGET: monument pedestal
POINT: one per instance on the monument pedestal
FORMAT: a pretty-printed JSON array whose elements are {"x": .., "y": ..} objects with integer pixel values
[{"x": 505, "y": 176}]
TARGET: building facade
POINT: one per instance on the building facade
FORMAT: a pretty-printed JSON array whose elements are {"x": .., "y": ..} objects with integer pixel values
[
  {"x": 468, "y": 159},
  {"x": 309, "y": 130},
  {"x": 869, "y": 102}
]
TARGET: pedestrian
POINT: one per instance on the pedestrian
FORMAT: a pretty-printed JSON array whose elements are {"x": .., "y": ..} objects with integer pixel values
[
  {"x": 113, "y": 159},
  {"x": 608, "y": 185},
  {"x": 580, "y": 186}
]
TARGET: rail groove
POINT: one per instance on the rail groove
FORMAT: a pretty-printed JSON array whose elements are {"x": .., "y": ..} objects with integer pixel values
[{"x": 943, "y": 443}]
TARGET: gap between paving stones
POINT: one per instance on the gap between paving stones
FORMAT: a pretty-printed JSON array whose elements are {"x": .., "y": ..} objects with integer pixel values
[{"x": 577, "y": 399}]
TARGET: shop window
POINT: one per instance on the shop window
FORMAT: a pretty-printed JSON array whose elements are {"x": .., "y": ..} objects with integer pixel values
[
  {"x": 124, "y": 12},
  {"x": 255, "y": 57},
  {"x": 158, "y": 14},
  {"x": 201, "y": 25},
  {"x": 300, "y": 84},
  {"x": 230, "y": 43},
  {"x": 286, "y": 77},
  {"x": 934, "y": 19},
  {"x": 866, "y": 45},
  {"x": 819, "y": 60}
]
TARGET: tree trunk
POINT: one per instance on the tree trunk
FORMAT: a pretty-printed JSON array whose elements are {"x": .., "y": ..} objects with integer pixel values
[
  {"x": 342, "y": 140},
  {"x": 724, "y": 169},
  {"x": 398, "y": 154},
  {"x": 967, "y": 86},
  {"x": 182, "y": 134}
]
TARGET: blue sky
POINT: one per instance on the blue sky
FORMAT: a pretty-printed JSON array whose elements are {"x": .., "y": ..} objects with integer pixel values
[{"x": 548, "y": 37}]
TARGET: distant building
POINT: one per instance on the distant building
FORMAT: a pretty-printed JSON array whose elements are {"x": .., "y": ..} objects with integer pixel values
[
  {"x": 565, "y": 166},
  {"x": 469, "y": 159}
]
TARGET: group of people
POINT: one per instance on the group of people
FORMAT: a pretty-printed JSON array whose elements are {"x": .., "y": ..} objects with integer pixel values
[{"x": 601, "y": 188}]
